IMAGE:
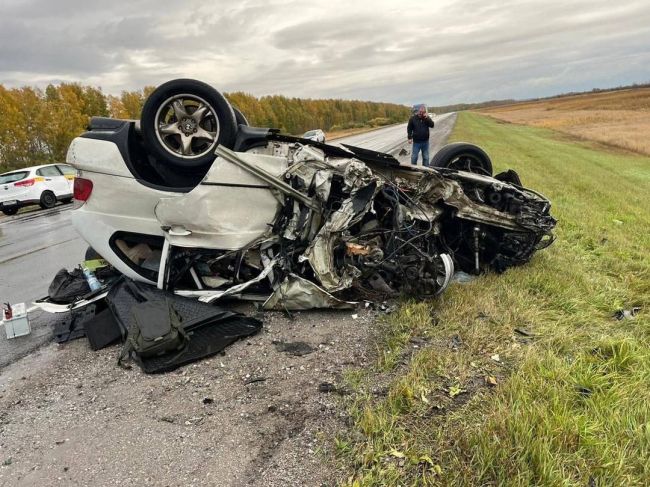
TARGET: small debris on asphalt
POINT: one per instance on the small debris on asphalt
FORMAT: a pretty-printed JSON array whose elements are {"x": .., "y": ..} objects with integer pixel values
[
  {"x": 253, "y": 380},
  {"x": 293, "y": 348},
  {"x": 355, "y": 316},
  {"x": 326, "y": 387},
  {"x": 208, "y": 400},
  {"x": 194, "y": 420},
  {"x": 387, "y": 308}
]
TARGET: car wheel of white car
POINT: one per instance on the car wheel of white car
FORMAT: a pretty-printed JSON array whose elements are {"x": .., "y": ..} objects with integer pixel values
[
  {"x": 184, "y": 120},
  {"x": 10, "y": 211},
  {"x": 48, "y": 200}
]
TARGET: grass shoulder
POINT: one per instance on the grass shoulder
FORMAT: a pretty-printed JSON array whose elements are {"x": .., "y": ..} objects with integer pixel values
[{"x": 522, "y": 378}]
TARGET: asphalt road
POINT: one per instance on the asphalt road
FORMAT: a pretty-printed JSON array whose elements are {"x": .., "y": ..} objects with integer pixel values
[
  {"x": 35, "y": 245},
  {"x": 393, "y": 139}
]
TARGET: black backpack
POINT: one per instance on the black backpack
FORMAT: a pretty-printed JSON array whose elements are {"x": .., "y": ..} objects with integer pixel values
[{"x": 156, "y": 330}]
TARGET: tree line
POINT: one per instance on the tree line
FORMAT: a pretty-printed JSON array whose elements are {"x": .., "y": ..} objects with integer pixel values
[{"x": 36, "y": 126}]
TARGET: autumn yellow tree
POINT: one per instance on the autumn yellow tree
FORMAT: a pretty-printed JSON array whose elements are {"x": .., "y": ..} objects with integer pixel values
[{"x": 38, "y": 125}]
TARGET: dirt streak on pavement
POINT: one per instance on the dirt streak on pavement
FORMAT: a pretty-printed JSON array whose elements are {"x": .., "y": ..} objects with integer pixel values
[{"x": 252, "y": 416}]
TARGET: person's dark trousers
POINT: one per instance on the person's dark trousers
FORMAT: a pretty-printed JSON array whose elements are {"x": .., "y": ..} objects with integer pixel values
[{"x": 424, "y": 148}]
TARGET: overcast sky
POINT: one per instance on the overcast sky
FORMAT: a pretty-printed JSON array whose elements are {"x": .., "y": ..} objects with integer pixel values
[{"x": 434, "y": 51}]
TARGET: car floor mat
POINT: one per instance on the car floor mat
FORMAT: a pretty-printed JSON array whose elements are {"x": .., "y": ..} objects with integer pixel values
[
  {"x": 206, "y": 340},
  {"x": 126, "y": 293},
  {"x": 210, "y": 328}
]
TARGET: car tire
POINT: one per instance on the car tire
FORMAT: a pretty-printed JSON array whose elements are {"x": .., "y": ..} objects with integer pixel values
[
  {"x": 174, "y": 131},
  {"x": 48, "y": 200},
  {"x": 10, "y": 211},
  {"x": 239, "y": 117},
  {"x": 462, "y": 156}
]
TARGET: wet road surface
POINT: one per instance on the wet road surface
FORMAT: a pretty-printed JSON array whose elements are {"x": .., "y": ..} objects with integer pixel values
[{"x": 33, "y": 247}]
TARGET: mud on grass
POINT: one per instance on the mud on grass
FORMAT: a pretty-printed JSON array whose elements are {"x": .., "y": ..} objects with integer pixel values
[{"x": 523, "y": 378}]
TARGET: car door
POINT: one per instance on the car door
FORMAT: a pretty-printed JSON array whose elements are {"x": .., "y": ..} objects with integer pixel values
[
  {"x": 55, "y": 181},
  {"x": 69, "y": 173},
  {"x": 227, "y": 210},
  {"x": 10, "y": 193}
]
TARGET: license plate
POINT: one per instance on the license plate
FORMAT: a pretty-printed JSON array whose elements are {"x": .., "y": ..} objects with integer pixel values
[{"x": 9, "y": 203}]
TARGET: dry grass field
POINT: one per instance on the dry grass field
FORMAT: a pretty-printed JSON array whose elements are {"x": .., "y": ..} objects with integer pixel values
[{"x": 616, "y": 118}]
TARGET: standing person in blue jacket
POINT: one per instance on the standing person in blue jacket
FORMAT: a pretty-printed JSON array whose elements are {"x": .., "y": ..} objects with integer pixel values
[{"x": 417, "y": 132}]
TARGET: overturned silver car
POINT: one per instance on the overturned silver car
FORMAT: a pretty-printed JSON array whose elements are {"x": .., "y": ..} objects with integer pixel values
[{"x": 192, "y": 199}]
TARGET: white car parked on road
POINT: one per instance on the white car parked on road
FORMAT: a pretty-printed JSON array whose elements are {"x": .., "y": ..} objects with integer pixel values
[{"x": 37, "y": 185}]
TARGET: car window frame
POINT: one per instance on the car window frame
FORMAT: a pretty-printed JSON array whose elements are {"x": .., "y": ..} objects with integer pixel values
[
  {"x": 54, "y": 167},
  {"x": 72, "y": 169},
  {"x": 26, "y": 175}
]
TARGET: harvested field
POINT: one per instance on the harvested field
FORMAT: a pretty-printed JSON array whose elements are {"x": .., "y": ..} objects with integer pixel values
[{"x": 615, "y": 118}]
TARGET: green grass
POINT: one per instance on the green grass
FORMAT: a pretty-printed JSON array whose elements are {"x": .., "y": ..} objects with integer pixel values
[{"x": 571, "y": 404}]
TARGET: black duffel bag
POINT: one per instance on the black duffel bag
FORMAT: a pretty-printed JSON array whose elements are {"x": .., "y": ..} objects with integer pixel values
[{"x": 66, "y": 286}]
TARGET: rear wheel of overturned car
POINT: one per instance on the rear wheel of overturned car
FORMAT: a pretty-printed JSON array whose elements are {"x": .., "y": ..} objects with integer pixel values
[
  {"x": 10, "y": 211},
  {"x": 184, "y": 120},
  {"x": 48, "y": 200},
  {"x": 462, "y": 156}
]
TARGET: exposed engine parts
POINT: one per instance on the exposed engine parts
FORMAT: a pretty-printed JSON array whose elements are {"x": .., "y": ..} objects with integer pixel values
[{"x": 355, "y": 227}]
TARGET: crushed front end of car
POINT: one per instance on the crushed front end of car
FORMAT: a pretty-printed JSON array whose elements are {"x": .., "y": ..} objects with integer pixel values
[{"x": 352, "y": 225}]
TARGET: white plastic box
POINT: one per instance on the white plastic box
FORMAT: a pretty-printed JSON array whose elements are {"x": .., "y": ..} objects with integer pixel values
[{"x": 18, "y": 325}]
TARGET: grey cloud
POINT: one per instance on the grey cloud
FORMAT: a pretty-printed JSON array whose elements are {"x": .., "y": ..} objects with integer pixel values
[{"x": 376, "y": 50}]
